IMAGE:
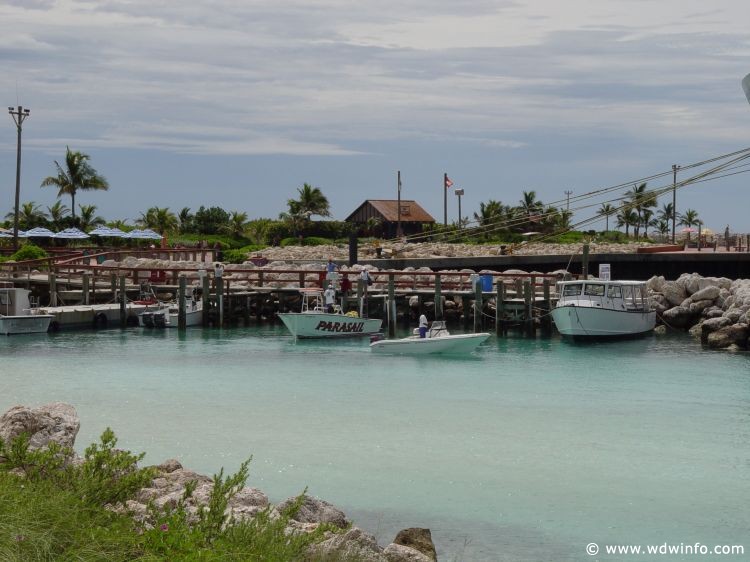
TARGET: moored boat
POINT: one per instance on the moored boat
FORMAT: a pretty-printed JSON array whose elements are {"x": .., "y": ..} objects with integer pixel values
[
  {"x": 314, "y": 321},
  {"x": 438, "y": 340},
  {"x": 603, "y": 309},
  {"x": 17, "y": 316}
]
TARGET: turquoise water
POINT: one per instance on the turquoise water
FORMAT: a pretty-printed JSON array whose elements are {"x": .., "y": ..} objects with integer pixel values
[{"x": 529, "y": 450}]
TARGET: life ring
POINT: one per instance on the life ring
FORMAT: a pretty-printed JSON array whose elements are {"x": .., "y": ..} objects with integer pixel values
[{"x": 100, "y": 320}]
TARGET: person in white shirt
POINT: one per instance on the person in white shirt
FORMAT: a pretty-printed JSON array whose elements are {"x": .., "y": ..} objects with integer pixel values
[
  {"x": 329, "y": 296},
  {"x": 423, "y": 325}
]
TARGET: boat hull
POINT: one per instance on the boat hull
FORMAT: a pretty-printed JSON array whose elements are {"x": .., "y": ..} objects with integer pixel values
[
  {"x": 589, "y": 322},
  {"x": 163, "y": 318},
  {"x": 455, "y": 344},
  {"x": 26, "y": 324},
  {"x": 322, "y": 325}
]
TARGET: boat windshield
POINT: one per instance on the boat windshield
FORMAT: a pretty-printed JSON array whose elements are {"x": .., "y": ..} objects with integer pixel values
[
  {"x": 572, "y": 290},
  {"x": 594, "y": 290}
]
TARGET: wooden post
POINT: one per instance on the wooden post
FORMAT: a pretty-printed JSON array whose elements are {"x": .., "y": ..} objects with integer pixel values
[
  {"x": 205, "y": 297},
  {"x": 260, "y": 278},
  {"x": 500, "y": 308},
  {"x": 519, "y": 289},
  {"x": 465, "y": 309},
  {"x": 528, "y": 308},
  {"x": 85, "y": 289},
  {"x": 113, "y": 286},
  {"x": 547, "y": 318},
  {"x": 438, "y": 298},
  {"x": 391, "y": 305},
  {"x": 181, "y": 313},
  {"x": 258, "y": 307},
  {"x": 301, "y": 279},
  {"x": 123, "y": 300},
  {"x": 585, "y": 262},
  {"x": 246, "y": 312},
  {"x": 220, "y": 299},
  {"x": 478, "y": 306},
  {"x": 52, "y": 289},
  {"x": 360, "y": 297}
]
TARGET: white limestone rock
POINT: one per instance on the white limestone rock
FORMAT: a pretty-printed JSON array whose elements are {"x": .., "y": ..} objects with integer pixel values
[{"x": 54, "y": 422}]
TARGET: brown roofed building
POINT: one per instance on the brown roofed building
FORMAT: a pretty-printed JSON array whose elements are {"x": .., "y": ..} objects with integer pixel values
[{"x": 413, "y": 216}]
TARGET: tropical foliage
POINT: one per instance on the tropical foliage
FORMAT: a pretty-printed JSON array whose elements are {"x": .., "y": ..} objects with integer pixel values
[{"x": 74, "y": 175}]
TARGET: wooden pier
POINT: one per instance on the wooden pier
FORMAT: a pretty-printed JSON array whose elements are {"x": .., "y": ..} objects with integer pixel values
[{"x": 88, "y": 291}]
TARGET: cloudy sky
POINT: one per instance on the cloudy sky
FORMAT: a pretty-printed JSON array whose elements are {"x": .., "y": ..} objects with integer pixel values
[{"x": 237, "y": 103}]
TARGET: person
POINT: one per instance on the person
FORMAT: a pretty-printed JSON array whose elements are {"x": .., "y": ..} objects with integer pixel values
[
  {"x": 423, "y": 325},
  {"x": 329, "y": 296},
  {"x": 346, "y": 285},
  {"x": 331, "y": 268},
  {"x": 364, "y": 275}
]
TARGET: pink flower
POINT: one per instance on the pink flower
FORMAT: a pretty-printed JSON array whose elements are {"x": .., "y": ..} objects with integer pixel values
[{"x": 164, "y": 527}]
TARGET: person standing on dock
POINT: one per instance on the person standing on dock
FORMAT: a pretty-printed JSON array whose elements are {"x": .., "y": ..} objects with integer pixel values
[
  {"x": 423, "y": 325},
  {"x": 329, "y": 296},
  {"x": 331, "y": 274}
]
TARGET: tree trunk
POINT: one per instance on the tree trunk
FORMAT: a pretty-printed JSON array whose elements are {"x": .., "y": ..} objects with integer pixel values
[{"x": 73, "y": 205}]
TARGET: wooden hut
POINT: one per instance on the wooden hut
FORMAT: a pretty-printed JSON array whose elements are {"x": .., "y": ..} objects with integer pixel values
[{"x": 413, "y": 216}]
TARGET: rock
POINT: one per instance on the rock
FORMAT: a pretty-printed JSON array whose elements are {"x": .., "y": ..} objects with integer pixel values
[
  {"x": 655, "y": 284},
  {"x": 733, "y": 314},
  {"x": 247, "y": 503},
  {"x": 711, "y": 292},
  {"x": 55, "y": 422},
  {"x": 724, "y": 337},
  {"x": 698, "y": 307},
  {"x": 677, "y": 317},
  {"x": 315, "y": 510},
  {"x": 674, "y": 293},
  {"x": 169, "y": 465},
  {"x": 355, "y": 544},
  {"x": 660, "y": 330},
  {"x": 689, "y": 282},
  {"x": 713, "y": 312},
  {"x": 696, "y": 331},
  {"x": 713, "y": 324},
  {"x": 400, "y": 553},
  {"x": 418, "y": 539}
]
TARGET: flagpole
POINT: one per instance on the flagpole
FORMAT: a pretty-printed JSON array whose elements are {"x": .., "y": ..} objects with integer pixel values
[
  {"x": 445, "y": 199},
  {"x": 398, "y": 220}
]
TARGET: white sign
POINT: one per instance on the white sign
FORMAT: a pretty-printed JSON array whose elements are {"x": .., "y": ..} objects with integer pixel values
[{"x": 604, "y": 272}]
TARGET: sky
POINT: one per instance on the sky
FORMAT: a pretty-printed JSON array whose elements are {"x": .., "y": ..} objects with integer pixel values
[{"x": 237, "y": 104}]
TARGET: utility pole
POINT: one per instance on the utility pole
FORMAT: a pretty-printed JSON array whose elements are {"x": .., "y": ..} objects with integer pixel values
[
  {"x": 19, "y": 116},
  {"x": 398, "y": 220},
  {"x": 675, "y": 167},
  {"x": 459, "y": 193},
  {"x": 445, "y": 199},
  {"x": 568, "y": 193}
]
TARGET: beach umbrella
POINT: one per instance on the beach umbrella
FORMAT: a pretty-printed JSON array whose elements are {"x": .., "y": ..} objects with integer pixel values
[
  {"x": 152, "y": 235},
  {"x": 116, "y": 233},
  {"x": 101, "y": 231},
  {"x": 39, "y": 232},
  {"x": 5, "y": 234},
  {"x": 72, "y": 234}
]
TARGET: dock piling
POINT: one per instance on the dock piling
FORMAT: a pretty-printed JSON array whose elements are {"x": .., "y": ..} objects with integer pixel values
[
  {"x": 181, "y": 313},
  {"x": 478, "y": 305},
  {"x": 547, "y": 318},
  {"x": 220, "y": 298},
  {"x": 500, "y": 308},
  {"x": 52, "y": 289},
  {"x": 391, "y": 305},
  {"x": 585, "y": 262},
  {"x": 123, "y": 303},
  {"x": 85, "y": 297},
  {"x": 205, "y": 293}
]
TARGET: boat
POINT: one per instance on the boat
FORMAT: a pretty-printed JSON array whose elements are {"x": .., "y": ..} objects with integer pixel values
[
  {"x": 603, "y": 309},
  {"x": 167, "y": 315},
  {"x": 314, "y": 321},
  {"x": 17, "y": 316},
  {"x": 438, "y": 340}
]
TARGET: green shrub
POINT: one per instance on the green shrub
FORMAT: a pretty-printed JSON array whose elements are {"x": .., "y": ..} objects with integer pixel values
[
  {"x": 29, "y": 252},
  {"x": 241, "y": 255}
]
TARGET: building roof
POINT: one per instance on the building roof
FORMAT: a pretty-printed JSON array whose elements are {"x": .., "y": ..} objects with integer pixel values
[{"x": 411, "y": 211}]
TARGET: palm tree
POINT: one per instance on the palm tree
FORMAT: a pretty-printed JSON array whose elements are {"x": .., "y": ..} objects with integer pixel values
[
  {"x": 529, "y": 204},
  {"x": 186, "y": 220},
  {"x": 257, "y": 230},
  {"x": 162, "y": 220},
  {"x": 236, "y": 225},
  {"x": 89, "y": 217},
  {"x": 640, "y": 199},
  {"x": 646, "y": 220},
  {"x": 311, "y": 202},
  {"x": 30, "y": 215},
  {"x": 120, "y": 224},
  {"x": 57, "y": 213},
  {"x": 77, "y": 175},
  {"x": 604, "y": 211},
  {"x": 689, "y": 218},
  {"x": 490, "y": 213},
  {"x": 662, "y": 226},
  {"x": 627, "y": 218}
]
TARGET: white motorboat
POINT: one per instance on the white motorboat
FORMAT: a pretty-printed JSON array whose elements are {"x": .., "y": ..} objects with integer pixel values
[
  {"x": 167, "y": 315},
  {"x": 314, "y": 321},
  {"x": 17, "y": 316},
  {"x": 438, "y": 340},
  {"x": 597, "y": 309}
]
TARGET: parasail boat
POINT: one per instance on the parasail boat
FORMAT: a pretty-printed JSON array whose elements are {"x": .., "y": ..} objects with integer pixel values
[
  {"x": 314, "y": 321},
  {"x": 600, "y": 309},
  {"x": 437, "y": 341}
]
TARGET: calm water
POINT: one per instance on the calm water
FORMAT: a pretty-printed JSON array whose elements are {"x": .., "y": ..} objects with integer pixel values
[{"x": 527, "y": 451}]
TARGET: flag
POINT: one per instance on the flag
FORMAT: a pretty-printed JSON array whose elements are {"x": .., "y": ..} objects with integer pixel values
[{"x": 448, "y": 182}]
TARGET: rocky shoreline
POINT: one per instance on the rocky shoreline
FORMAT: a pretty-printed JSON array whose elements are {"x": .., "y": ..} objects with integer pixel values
[{"x": 59, "y": 423}]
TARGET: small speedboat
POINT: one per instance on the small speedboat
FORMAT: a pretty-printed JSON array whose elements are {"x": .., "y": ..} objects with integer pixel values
[
  {"x": 167, "y": 315},
  {"x": 437, "y": 341},
  {"x": 603, "y": 309},
  {"x": 315, "y": 322},
  {"x": 17, "y": 316}
]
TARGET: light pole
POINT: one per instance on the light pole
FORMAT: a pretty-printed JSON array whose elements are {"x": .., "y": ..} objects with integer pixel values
[
  {"x": 675, "y": 167},
  {"x": 398, "y": 220},
  {"x": 459, "y": 193},
  {"x": 568, "y": 193},
  {"x": 19, "y": 116}
]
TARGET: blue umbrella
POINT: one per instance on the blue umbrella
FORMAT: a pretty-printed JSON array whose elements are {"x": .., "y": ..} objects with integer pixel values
[
  {"x": 72, "y": 234},
  {"x": 39, "y": 232}
]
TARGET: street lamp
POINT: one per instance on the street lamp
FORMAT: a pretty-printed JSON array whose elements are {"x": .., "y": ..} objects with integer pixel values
[
  {"x": 459, "y": 193},
  {"x": 19, "y": 116}
]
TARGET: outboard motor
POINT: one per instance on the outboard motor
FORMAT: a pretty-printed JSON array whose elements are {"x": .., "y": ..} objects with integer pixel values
[{"x": 377, "y": 337}]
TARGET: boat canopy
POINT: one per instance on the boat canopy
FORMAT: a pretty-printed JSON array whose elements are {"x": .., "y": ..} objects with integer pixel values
[{"x": 632, "y": 295}]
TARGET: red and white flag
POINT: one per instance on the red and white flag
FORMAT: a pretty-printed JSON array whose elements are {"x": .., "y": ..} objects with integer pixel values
[{"x": 448, "y": 182}]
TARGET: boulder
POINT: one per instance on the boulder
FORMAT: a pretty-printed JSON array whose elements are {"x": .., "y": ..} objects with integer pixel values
[
  {"x": 169, "y": 465},
  {"x": 315, "y": 510},
  {"x": 355, "y": 544},
  {"x": 713, "y": 312},
  {"x": 713, "y": 324},
  {"x": 698, "y": 307},
  {"x": 696, "y": 331},
  {"x": 710, "y": 293},
  {"x": 733, "y": 314},
  {"x": 55, "y": 422},
  {"x": 656, "y": 283},
  {"x": 418, "y": 539},
  {"x": 400, "y": 553},
  {"x": 724, "y": 337},
  {"x": 674, "y": 293},
  {"x": 660, "y": 330},
  {"x": 677, "y": 317}
]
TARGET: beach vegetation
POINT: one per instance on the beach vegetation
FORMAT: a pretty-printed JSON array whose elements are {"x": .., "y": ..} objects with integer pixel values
[
  {"x": 160, "y": 219},
  {"x": 27, "y": 251},
  {"x": 88, "y": 218},
  {"x": 74, "y": 175},
  {"x": 186, "y": 219},
  {"x": 236, "y": 225},
  {"x": 57, "y": 214},
  {"x": 210, "y": 220},
  {"x": 30, "y": 215}
]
